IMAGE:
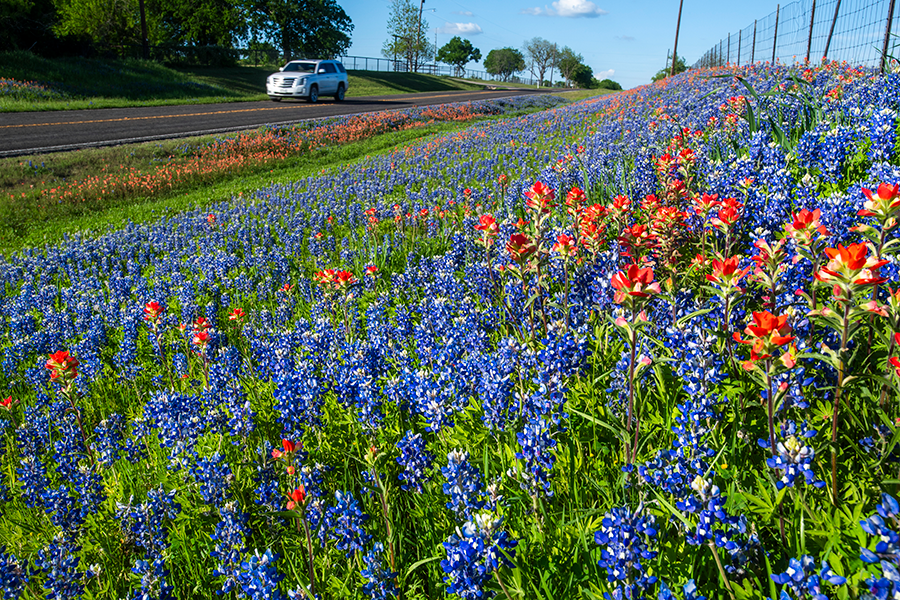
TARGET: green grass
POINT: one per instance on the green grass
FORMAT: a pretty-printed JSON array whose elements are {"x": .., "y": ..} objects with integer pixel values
[
  {"x": 77, "y": 83},
  {"x": 27, "y": 226}
]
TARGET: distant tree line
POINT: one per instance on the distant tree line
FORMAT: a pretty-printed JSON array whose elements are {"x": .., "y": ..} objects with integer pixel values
[
  {"x": 316, "y": 28},
  {"x": 407, "y": 44}
]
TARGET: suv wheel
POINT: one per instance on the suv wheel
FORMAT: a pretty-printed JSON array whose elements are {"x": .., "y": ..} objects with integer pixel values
[
  {"x": 339, "y": 97},
  {"x": 314, "y": 94}
]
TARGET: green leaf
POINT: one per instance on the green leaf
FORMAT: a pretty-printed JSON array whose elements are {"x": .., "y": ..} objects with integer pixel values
[{"x": 418, "y": 564}]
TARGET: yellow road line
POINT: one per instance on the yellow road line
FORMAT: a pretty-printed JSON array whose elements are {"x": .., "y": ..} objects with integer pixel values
[{"x": 202, "y": 114}]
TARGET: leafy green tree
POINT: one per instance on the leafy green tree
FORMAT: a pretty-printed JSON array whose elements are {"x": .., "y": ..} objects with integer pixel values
[
  {"x": 503, "y": 62},
  {"x": 407, "y": 39},
  {"x": 608, "y": 84},
  {"x": 680, "y": 67},
  {"x": 27, "y": 24},
  {"x": 568, "y": 62},
  {"x": 307, "y": 28},
  {"x": 458, "y": 52},
  {"x": 582, "y": 76},
  {"x": 196, "y": 22},
  {"x": 109, "y": 25},
  {"x": 542, "y": 55}
]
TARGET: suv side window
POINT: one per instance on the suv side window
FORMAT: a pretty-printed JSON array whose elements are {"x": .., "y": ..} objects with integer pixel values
[
  {"x": 340, "y": 67},
  {"x": 329, "y": 67}
]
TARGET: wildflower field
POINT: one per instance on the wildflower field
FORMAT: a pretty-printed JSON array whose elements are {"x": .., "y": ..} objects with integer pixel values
[{"x": 645, "y": 346}]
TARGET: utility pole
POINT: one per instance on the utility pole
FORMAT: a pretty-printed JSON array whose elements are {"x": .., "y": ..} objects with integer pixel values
[
  {"x": 677, "y": 30},
  {"x": 145, "y": 46},
  {"x": 418, "y": 34}
]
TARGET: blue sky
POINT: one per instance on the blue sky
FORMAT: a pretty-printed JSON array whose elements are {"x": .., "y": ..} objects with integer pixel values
[{"x": 625, "y": 41}]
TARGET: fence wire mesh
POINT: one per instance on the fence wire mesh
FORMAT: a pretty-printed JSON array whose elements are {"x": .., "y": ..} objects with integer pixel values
[{"x": 855, "y": 31}]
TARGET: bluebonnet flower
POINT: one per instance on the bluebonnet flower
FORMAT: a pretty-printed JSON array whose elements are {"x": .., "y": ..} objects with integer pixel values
[
  {"x": 229, "y": 546},
  {"x": 343, "y": 522},
  {"x": 883, "y": 526},
  {"x": 803, "y": 581},
  {"x": 876, "y": 445},
  {"x": 794, "y": 457},
  {"x": 475, "y": 553},
  {"x": 13, "y": 577},
  {"x": 379, "y": 579},
  {"x": 536, "y": 450},
  {"x": 154, "y": 579},
  {"x": 627, "y": 540},
  {"x": 415, "y": 460},
  {"x": 214, "y": 477},
  {"x": 463, "y": 483},
  {"x": 108, "y": 442},
  {"x": 298, "y": 401},
  {"x": 689, "y": 589},
  {"x": 714, "y": 523},
  {"x": 59, "y": 562},
  {"x": 259, "y": 578}
]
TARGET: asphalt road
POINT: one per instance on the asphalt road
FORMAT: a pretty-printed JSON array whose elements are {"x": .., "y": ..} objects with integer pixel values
[{"x": 37, "y": 132}]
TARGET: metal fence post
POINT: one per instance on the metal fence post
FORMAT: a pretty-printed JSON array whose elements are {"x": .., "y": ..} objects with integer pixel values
[
  {"x": 831, "y": 31},
  {"x": 887, "y": 36},
  {"x": 812, "y": 19},
  {"x": 753, "y": 51},
  {"x": 775, "y": 38},
  {"x": 728, "y": 60},
  {"x": 740, "y": 36}
]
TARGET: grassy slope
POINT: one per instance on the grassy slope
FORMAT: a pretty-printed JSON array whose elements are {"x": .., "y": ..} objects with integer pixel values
[
  {"x": 69, "y": 83},
  {"x": 52, "y": 223}
]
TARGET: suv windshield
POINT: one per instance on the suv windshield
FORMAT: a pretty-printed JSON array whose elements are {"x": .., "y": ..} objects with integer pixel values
[{"x": 302, "y": 67}]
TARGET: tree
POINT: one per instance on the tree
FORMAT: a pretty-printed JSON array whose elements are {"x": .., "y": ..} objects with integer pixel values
[
  {"x": 680, "y": 67},
  {"x": 407, "y": 37},
  {"x": 608, "y": 84},
  {"x": 503, "y": 62},
  {"x": 196, "y": 22},
  {"x": 109, "y": 25},
  {"x": 542, "y": 55},
  {"x": 458, "y": 52},
  {"x": 568, "y": 62},
  {"x": 307, "y": 28},
  {"x": 582, "y": 76}
]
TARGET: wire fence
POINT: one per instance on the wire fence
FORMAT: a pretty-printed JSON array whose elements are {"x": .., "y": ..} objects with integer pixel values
[
  {"x": 861, "y": 32},
  {"x": 368, "y": 63}
]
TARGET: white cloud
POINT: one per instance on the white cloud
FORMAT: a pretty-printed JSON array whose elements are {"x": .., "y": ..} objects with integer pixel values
[
  {"x": 465, "y": 13},
  {"x": 607, "y": 74},
  {"x": 567, "y": 8},
  {"x": 625, "y": 38},
  {"x": 461, "y": 29}
]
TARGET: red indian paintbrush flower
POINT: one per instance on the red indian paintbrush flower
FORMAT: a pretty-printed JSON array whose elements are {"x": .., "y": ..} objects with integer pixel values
[
  {"x": 882, "y": 203},
  {"x": 540, "y": 197},
  {"x": 153, "y": 311},
  {"x": 726, "y": 273},
  {"x": 8, "y": 403},
  {"x": 236, "y": 315},
  {"x": 298, "y": 497},
  {"x": 289, "y": 447},
  {"x": 520, "y": 247},
  {"x": 634, "y": 281},
  {"x": 805, "y": 225},
  {"x": 63, "y": 367},
  {"x": 565, "y": 245},
  {"x": 851, "y": 264},
  {"x": 765, "y": 334},
  {"x": 487, "y": 224},
  {"x": 344, "y": 279}
]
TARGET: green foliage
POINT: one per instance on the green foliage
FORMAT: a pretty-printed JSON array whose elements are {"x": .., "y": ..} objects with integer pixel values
[
  {"x": 541, "y": 55},
  {"x": 680, "y": 67},
  {"x": 195, "y": 22},
  {"x": 608, "y": 84},
  {"x": 570, "y": 64},
  {"x": 111, "y": 25},
  {"x": 303, "y": 29},
  {"x": 582, "y": 76},
  {"x": 458, "y": 52},
  {"x": 504, "y": 62},
  {"x": 407, "y": 40}
]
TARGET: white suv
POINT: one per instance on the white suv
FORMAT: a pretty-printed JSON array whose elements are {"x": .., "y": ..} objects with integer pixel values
[{"x": 308, "y": 78}]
